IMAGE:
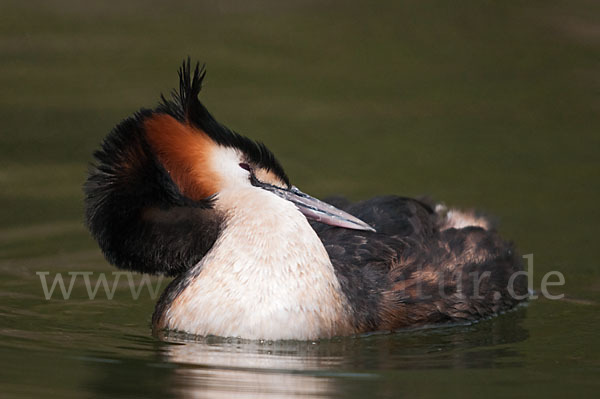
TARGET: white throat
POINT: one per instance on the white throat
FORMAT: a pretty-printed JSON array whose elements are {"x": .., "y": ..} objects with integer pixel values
[{"x": 267, "y": 276}]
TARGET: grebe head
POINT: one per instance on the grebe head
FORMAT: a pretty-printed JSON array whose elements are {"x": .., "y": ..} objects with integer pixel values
[{"x": 153, "y": 196}]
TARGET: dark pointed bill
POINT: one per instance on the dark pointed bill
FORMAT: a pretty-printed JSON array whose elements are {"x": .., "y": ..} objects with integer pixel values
[{"x": 318, "y": 210}]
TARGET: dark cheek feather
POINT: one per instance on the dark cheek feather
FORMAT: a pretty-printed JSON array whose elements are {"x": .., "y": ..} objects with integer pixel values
[{"x": 137, "y": 214}]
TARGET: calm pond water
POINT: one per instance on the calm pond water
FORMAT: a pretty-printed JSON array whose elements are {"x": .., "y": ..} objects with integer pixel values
[{"x": 480, "y": 104}]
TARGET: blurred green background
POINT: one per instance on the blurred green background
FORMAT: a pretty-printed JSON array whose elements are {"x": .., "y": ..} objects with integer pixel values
[{"x": 492, "y": 105}]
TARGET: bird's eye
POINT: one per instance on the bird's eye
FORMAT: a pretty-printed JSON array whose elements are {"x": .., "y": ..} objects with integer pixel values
[{"x": 245, "y": 166}]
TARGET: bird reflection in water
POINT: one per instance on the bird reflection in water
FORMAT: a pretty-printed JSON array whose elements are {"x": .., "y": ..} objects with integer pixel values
[
  {"x": 219, "y": 369},
  {"x": 216, "y": 367}
]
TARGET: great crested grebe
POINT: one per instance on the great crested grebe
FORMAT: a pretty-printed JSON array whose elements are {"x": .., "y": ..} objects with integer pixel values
[{"x": 174, "y": 192}]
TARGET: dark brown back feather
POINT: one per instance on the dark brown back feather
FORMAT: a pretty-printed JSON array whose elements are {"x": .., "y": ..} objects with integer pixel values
[{"x": 411, "y": 273}]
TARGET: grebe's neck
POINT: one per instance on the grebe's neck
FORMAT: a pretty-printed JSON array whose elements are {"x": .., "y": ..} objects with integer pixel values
[{"x": 267, "y": 276}]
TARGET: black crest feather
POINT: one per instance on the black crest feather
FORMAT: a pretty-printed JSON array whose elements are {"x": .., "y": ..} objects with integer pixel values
[{"x": 185, "y": 106}]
